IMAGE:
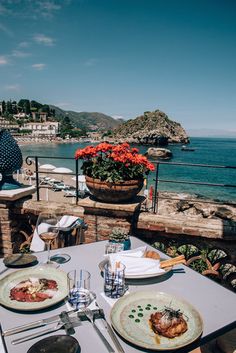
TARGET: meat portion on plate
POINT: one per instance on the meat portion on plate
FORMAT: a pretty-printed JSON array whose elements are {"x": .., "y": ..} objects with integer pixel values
[
  {"x": 34, "y": 290},
  {"x": 168, "y": 323}
]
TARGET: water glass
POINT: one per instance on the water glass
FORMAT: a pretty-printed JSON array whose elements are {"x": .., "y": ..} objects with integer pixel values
[
  {"x": 79, "y": 288},
  {"x": 114, "y": 280},
  {"x": 111, "y": 248}
]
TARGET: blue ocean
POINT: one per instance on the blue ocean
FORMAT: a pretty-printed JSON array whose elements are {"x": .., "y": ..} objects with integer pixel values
[{"x": 211, "y": 151}]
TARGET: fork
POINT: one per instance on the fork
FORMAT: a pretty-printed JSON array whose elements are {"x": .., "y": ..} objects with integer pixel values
[
  {"x": 58, "y": 326},
  {"x": 90, "y": 316}
]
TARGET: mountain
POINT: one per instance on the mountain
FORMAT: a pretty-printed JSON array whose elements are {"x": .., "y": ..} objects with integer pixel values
[
  {"x": 90, "y": 121},
  {"x": 151, "y": 128}
]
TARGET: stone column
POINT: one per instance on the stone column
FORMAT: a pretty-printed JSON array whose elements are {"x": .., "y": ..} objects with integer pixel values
[
  {"x": 8, "y": 224},
  {"x": 101, "y": 218}
]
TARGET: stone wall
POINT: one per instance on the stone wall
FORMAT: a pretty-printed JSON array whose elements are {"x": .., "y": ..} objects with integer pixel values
[{"x": 18, "y": 218}]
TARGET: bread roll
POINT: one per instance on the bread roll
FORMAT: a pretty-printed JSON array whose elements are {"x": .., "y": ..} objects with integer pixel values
[{"x": 152, "y": 254}]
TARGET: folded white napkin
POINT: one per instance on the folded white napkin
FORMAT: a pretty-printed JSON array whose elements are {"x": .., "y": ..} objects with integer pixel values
[
  {"x": 67, "y": 221},
  {"x": 135, "y": 263},
  {"x": 37, "y": 244}
]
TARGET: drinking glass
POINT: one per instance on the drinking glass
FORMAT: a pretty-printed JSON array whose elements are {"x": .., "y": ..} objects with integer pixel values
[
  {"x": 47, "y": 229},
  {"x": 79, "y": 288},
  {"x": 114, "y": 280}
]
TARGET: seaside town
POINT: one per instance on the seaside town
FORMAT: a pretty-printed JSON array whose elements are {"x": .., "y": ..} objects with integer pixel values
[
  {"x": 32, "y": 122},
  {"x": 117, "y": 176}
]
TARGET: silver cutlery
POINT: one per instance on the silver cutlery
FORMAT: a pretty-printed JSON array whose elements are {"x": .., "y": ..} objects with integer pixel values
[
  {"x": 89, "y": 314},
  {"x": 35, "y": 324},
  {"x": 58, "y": 326},
  {"x": 68, "y": 324},
  {"x": 110, "y": 331}
]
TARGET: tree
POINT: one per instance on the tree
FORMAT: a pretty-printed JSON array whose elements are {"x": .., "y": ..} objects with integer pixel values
[
  {"x": 35, "y": 105},
  {"x": 3, "y": 107},
  {"x": 66, "y": 127},
  {"x": 24, "y": 105},
  {"x": 9, "y": 109},
  {"x": 14, "y": 107},
  {"x": 45, "y": 109},
  {"x": 27, "y": 107}
]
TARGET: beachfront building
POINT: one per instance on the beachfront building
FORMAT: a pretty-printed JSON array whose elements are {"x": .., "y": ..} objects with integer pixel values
[
  {"x": 20, "y": 116},
  {"x": 6, "y": 124},
  {"x": 95, "y": 136},
  {"x": 45, "y": 129}
]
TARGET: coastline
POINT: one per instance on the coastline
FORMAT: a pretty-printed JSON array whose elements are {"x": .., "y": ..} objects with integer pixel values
[{"x": 42, "y": 141}]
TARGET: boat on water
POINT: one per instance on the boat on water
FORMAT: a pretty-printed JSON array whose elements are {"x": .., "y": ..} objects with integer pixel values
[{"x": 187, "y": 149}]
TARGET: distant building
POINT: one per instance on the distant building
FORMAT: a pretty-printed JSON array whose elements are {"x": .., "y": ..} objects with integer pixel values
[
  {"x": 6, "y": 124},
  {"x": 21, "y": 116},
  {"x": 95, "y": 136},
  {"x": 39, "y": 116},
  {"x": 48, "y": 128}
]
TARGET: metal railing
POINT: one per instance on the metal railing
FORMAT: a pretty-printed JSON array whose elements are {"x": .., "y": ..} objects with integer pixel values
[
  {"x": 29, "y": 161},
  {"x": 199, "y": 183},
  {"x": 157, "y": 180}
]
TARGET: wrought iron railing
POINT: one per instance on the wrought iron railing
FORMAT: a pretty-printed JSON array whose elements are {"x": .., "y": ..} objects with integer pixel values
[
  {"x": 157, "y": 180},
  {"x": 29, "y": 161},
  {"x": 35, "y": 159}
]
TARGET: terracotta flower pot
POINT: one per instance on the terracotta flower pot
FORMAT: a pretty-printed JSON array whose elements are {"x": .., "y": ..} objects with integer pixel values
[{"x": 114, "y": 192}]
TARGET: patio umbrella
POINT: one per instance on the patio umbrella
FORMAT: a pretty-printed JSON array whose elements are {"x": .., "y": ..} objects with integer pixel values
[
  {"x": 62, "y": 170},
  {"x": 47, "y": 166}
]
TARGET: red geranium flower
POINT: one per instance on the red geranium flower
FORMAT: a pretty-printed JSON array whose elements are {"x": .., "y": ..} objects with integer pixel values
[{"x": 113, "y": 162}]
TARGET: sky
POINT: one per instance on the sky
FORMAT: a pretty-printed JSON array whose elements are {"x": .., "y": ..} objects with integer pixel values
[{"x": 123, "y": 57}]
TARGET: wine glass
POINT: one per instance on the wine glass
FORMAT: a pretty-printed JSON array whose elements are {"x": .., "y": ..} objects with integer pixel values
[{"x": 47, "y": 229}]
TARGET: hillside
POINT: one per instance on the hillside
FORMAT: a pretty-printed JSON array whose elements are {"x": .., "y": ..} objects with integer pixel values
[
  {"x": 89, "y": 121},
  {"x": 151, "y": 128}
]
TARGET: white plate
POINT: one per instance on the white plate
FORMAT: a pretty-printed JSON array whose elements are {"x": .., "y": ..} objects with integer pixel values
[
  {"x": 10, "y": 281},
  {"x": 138, "y": 275},
  {"x": 130, "y": 318}
]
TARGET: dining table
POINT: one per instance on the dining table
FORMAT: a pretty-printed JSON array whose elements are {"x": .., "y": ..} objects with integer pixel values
[{"x": 215, "y": 303}]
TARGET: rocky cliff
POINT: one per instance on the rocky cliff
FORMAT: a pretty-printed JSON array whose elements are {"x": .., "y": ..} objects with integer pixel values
[{"x": 151, "y": 128}]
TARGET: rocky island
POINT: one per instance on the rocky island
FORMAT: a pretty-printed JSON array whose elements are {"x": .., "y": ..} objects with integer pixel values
[{"x": 151, "y": 128}]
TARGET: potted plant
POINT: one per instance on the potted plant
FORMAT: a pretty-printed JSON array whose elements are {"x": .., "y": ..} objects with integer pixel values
[
  {"x": 120, "y": 235},
  {"x": 114, "y": 173}
]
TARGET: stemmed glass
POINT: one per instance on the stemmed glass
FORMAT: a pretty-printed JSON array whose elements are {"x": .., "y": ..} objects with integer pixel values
[{"x": 47, "y": 229}]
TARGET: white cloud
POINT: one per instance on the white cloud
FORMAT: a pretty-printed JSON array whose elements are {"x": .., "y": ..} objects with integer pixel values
[
  {"x": 14, "y": 87},
  {"x": 118, "y": 117},
  {"x": 38, "y": 66},
  {"x": 91, "y": 62},
  {"x": 42, "y": 39},
  {"x": 62, "y": 104},
  {"x": 3, "y": 10},
  {"x": 49, "y": 5},
  {"x": 6, "y": 30},
  {"x": 20, "y": 54},
  {"x": 3, "y": 60},
  {"x": 23, "y": 44}
]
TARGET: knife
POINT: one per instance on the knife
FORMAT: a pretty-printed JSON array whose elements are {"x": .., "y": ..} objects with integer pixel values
[
  {"x": 65, "y": 322},
  {"x": 38, "y": 323},
  {"x": 110, "y": 331}
]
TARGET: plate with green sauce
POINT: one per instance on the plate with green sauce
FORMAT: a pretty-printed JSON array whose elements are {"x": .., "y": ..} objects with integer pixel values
[{"x": 130, "y": 317}]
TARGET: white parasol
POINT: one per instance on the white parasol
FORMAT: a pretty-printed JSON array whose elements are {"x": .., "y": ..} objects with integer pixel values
[
  {"x": 62, "y": 170},
  {"x": 47, "y": 166}
]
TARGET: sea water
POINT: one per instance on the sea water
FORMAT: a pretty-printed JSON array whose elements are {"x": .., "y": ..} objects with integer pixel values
[{"x": 212, "y": 151}]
